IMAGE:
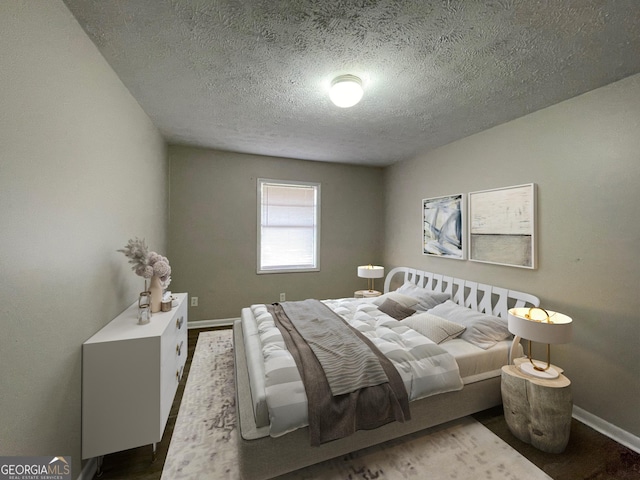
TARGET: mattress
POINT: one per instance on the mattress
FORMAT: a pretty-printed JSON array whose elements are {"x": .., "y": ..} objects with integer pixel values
[{"x": 476, "y": 364}]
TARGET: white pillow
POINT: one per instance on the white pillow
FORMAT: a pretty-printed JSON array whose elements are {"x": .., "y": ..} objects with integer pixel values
[
  {"x": 404, "y": 300},
  {"x": 426, "y": 299},
  {"x": 483, "y": 330},
  {"x": 435, "y": 328}
]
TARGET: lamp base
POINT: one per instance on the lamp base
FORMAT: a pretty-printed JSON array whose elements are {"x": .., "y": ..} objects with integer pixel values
[
  {"x": 549, "y": 374},
  {"x": 366, "y": 293}
]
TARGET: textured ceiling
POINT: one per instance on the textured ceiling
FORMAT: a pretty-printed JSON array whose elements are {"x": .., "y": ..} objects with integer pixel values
[{"x": 253, "y": 75}]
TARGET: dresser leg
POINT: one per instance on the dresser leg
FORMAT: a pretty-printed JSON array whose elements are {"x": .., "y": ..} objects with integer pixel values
[
  {"x": 154, "y": 452},
  {"x": 99, "y": 471}
]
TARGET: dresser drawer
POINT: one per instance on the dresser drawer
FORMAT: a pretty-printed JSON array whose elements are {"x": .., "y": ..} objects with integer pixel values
[{"x": 174, "y": 357}]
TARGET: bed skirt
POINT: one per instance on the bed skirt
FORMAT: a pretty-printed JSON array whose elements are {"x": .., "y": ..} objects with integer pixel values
[{"x": 261, "y": 456}]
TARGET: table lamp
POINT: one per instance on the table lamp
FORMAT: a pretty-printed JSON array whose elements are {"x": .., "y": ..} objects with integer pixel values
[
  {"x": 536, "y": 324},
  {"x": 370, "y": 272}
]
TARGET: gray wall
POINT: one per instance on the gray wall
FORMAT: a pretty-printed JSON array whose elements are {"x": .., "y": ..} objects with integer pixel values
[
  {"x": 584, "y": 155},
  {"x": 82, "y": 169},
  {"x": 212, "y": 236}
]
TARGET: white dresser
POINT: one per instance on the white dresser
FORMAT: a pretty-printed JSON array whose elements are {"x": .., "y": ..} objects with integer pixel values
[{"x": 130, "y": 375}]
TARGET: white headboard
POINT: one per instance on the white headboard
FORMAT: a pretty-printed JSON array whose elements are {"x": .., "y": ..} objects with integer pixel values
[{"x": 477, "y": 296}]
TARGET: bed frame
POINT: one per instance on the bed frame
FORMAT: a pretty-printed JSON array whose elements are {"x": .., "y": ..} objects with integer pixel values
[{"x": 261, "y": 457}]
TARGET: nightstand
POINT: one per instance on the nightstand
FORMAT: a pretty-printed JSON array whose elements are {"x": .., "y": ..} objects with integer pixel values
[
  {"x": 366, "y": 293},
  {"x": 537, "y": 411}
]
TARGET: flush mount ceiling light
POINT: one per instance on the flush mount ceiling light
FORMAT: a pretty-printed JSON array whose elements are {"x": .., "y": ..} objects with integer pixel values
[{"x": 346, "y": 91}]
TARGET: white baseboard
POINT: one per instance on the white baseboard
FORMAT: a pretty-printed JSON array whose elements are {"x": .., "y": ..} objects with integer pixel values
[
  {"x": 222, "y": 322},
  {"x": 89, "y": 470},
  {"x": 616, "y": 433}
]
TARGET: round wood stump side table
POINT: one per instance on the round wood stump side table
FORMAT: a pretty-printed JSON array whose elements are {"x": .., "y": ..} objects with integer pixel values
[{"x": 537, "y": 411}]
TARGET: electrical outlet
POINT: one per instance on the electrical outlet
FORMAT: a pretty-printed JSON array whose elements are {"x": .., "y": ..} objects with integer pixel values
[
  {"x": 194, "y": 301},
  {"x": 283, "y": 297}
]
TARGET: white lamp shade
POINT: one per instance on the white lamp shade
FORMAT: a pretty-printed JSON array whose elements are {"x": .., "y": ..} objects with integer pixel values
[
  {"x": 346, "y": 91},
  {"x": 531, "y": 324},
  {"x": 370, "y": 271}
]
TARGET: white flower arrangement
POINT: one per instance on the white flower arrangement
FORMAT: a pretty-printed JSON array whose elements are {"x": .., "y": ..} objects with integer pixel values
[{"x": 146, "y": 264}]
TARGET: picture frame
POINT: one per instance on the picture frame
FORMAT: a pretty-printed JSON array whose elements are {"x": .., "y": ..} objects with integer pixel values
[
  {"x": 502, "y": 226},
  {"x": 443, "y": 226}
]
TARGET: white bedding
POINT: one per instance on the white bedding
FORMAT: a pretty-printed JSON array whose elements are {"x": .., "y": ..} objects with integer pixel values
[
  {"x": 284, "y": 414},
  {"x": 284, "y": 394}
]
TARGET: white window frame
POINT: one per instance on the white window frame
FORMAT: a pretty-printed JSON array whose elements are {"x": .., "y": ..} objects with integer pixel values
[{"x": 315, "y": 267}]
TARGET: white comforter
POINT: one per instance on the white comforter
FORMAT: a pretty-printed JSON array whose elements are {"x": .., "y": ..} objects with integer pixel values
[{"x": 422, "y": 372}]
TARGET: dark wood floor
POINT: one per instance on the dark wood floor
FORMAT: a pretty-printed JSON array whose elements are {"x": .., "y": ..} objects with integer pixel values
[{"x": 589, "y": 455}]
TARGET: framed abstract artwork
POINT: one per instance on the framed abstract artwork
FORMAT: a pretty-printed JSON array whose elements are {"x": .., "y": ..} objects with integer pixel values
[
  {"x": 502, "y": 226},
  {"x": 443, "y": 226}
]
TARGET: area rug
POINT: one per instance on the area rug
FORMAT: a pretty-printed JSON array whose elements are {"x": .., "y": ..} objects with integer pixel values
[{"x": 204, "y": 439}]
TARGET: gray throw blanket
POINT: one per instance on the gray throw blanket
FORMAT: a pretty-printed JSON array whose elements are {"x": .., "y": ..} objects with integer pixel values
[
  {"x": 337, "y": 416},
  {"x": 348, "y": 362}
]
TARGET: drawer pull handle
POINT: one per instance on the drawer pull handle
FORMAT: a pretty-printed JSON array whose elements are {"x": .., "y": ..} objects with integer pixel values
[
  {"x": 179, "y": 322},
  {"x": 179, "y": 348},
  {"x": 178, "y": 375}
]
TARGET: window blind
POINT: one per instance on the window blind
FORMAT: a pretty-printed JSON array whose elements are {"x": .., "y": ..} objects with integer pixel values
[{"x": 289, "y": 229}]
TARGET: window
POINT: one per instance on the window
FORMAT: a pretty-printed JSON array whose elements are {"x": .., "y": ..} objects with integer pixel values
[{"x": 288, "y": 226}]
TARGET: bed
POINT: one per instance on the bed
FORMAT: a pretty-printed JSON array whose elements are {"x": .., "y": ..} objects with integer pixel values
[{"x": 267, "y": 450}]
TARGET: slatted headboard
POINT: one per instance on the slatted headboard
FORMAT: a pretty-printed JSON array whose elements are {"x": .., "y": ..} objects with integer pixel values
[{"x": 477, "y": 296}]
